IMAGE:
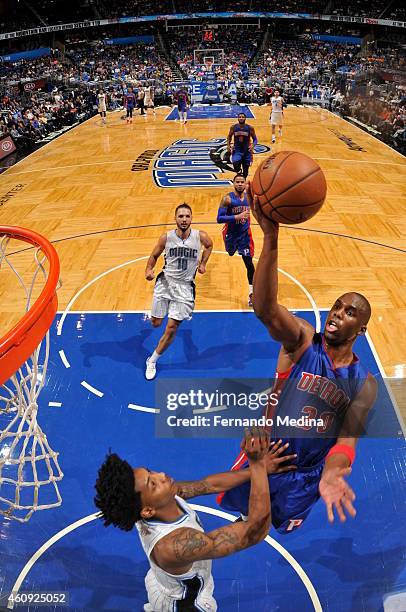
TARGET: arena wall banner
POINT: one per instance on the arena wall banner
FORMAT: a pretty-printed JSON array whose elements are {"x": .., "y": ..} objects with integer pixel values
[
  {"x": 130, "y": 40},
  {"x": 7, "y": 146},
  {"x": 16, "y": 57},
  {"x": 180, "y": 16},
  {"x": 350, "y": 40},
  {"x": 207, "y": 92},
  {"x": 35, "y": 85}
]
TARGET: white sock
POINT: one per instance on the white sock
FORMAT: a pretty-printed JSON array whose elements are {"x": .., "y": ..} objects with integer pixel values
[
  {"x": 251, "y": 289},
  {"x": 154, "y": 357}
]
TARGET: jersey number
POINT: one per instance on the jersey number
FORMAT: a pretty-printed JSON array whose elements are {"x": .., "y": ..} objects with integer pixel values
[
  {"x": 311, "y": 413},
  {"x": 182, "y": 264}
]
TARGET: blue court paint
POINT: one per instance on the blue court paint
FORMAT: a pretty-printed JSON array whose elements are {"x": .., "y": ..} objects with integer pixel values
[
  {"x": 352, "y": 566},
  {"x": 216, "y": 111}
]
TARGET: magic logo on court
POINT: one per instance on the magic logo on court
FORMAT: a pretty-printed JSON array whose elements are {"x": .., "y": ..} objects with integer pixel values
[{"x": 190, "y": 162}]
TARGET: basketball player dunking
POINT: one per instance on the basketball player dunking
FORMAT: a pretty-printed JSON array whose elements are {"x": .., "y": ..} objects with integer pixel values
[
  {"x": 178, "y": 550},
  {"x": 318, "y": 376},
  {"x": 234, "y": 211},
  {"x": 242, "y": 148},
  {"x": 174, "y": 292},
  {"x": 276, "y": 114}
]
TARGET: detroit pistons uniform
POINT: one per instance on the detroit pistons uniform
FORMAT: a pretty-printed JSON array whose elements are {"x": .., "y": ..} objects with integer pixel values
[
  {"x": 129, "y": 103},
  {"x": 174, "y": 292},
  {"x": 237, "y": 235},
  {"x": 241, "y": 152},
  {"x": 312, "y": 391},
  {"x": 168, "y": 592}
]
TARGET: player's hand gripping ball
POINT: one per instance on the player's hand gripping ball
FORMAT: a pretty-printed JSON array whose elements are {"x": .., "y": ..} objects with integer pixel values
[{"x": 290, "y": 186}]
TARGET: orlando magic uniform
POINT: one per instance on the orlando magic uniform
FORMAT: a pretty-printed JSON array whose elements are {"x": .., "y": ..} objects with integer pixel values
[
  {"x": 277, "y": 110},
  {"x": 312, "y": 389},
  {"x": 241, "y": 153},
  {"x": 101, "y": 102},
  {"x": 168, "y": 592},
  {"x": 236, "y": 234},
  {"x": 174, "y": 292}
]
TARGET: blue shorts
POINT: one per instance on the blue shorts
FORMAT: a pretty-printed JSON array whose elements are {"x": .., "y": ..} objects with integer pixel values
[
  {"x": 293, "y": 495},
  {"x": 244, "y": 157},
  {"x": 242, "y": 243}
]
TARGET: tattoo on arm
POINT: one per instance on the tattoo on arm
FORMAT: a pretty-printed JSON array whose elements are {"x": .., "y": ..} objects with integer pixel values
[
  {"x": 193, "y": 488},
  {"x": 189, "y": 545}
]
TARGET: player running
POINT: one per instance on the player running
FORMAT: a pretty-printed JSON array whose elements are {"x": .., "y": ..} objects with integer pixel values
[
  {"x": 174, "y": 292},
  {"x": 234, "y": 212},
  {"x": 178, "y": 550},
  {"x": 318, "y": 376},
  {"x": 241, "y": 150}
]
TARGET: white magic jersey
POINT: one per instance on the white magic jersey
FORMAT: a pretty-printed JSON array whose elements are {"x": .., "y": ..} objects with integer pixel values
[
  {"x": 101, "y": 100},
  {"x": 277, "y": 104},
  {"x": 164, "y": 590},
  {"x": 182, "y": 256}
]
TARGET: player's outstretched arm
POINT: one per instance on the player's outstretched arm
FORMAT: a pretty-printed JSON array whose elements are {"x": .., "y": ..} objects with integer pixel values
[
  {"x": 276, "y": 462},
  {"x": 153, "y": 258},
  {"x": 292, "y": 332},
  {"x": 207, "y": 243},
  {"x": 184, "y": 546},
  {"x": 334, "y": 490}
]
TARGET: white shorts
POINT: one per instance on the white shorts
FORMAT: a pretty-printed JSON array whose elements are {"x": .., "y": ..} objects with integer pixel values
[
  {"x": 277, "y": 118},
  {"x": 173, "y": 298},
  {"x": 159, "y": 601},
  {"x": 102, "y": 108}
]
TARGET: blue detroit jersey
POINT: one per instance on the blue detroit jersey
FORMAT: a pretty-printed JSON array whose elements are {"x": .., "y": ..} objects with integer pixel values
[
  {"x": 241, "y": 135},
  {"x": 226, "y": 215},
  {"x": 130, "y": 99},
  {"x": 315, "y": 389},
  {"x": 312, "y": 388}
]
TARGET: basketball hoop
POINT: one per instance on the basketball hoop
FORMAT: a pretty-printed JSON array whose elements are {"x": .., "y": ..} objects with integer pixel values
[{"x": 27, "y": 462}]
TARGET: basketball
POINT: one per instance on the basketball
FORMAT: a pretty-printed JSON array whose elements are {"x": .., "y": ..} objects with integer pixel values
[{"x": 290, "y": 186}]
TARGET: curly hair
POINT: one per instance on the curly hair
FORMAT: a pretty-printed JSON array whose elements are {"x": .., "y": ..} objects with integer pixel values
[{"x": 120, "y": 504}]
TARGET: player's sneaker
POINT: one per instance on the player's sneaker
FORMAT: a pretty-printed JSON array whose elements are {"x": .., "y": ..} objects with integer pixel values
[
  {"x": 273, "y": 139},
  {"x": 250, "y": 304},
  {"x": 150, "y": 369}
]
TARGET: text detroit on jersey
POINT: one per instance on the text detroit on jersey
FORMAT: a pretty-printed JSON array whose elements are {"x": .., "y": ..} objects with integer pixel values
[{"x": 191, "y": 162}]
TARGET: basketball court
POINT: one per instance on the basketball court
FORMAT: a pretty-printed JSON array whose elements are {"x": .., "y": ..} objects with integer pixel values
[{"x": 103, "y": 195}]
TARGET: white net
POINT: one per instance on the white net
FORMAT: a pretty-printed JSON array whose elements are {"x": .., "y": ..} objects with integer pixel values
[
  {"x": 216, "y": 55},
  {"x": 29, "y": 468}
]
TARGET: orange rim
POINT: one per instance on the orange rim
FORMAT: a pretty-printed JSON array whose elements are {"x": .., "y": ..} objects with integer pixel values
[{"x": 21, "y": 341}]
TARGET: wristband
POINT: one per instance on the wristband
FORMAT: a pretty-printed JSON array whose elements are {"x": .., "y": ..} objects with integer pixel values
[{"x": 344, "y": 449}]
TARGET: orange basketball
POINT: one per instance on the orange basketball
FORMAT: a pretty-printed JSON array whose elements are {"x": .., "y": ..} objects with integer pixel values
[{"x": 290, "y": 186}]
